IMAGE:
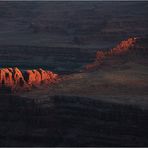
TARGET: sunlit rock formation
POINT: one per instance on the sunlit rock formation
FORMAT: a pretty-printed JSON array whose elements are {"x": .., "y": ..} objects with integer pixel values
[
  {"x": 12, "y": 79},
  {"x": 39, "y": 76},
  {"x": 123, "y": 47},
  {"x": 125, "y": 50}
]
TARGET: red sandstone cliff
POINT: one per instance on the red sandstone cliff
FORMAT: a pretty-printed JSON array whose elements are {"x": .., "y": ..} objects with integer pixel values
[
  {"x": 13, "y": 79},
  {"x": 124, "y": 50},
  {"x": 123, "y": 47}
]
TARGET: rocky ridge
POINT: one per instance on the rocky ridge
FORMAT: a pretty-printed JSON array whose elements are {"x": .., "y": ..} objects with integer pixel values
[
  {"x": 13, "y": 79},
  {"x": 125, "y": 50}
]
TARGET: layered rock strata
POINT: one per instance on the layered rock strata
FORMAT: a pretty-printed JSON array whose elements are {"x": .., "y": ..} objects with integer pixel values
[
  {"x": 12, "y": 79},
  {"x": 125, "y": 50}
]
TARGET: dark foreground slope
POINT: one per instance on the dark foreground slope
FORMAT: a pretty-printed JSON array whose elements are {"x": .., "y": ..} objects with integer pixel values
[
  {"x": 70, "y": 121},
  {"x": 111, "y": 109}
]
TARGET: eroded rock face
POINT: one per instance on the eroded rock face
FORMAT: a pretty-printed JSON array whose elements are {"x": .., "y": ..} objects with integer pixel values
[
  {"x": 129, "y": 48},
  {"x": 123, "y": 47},
  {"x": 13, "y": 79},
  {"x": 39, "y": 76},
  {"x": 6, "y": 77}
]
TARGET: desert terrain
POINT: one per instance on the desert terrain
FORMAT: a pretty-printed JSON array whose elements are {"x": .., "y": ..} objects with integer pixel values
[{"x": 73, "y": 74}]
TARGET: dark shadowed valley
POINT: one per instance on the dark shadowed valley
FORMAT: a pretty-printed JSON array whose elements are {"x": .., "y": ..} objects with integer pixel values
[
  {"x": 64, "y": 36},
  {"x": 73, "y": 73}
]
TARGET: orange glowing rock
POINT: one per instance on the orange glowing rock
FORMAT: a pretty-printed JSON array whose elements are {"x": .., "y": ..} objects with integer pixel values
[
  {"x": 17, "y": 76},
  {"x": 6, "y": 77},
  {"x": 122, "y": 48},
  {"x": 100, "y": 56},
  {"x": 37, "y": 77},
  {"x": 13, "y": 79},
  {"x": 47, "y": 75}
]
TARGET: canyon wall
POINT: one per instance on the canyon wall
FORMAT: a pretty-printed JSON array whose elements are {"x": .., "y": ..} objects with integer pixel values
[
  {"x": 124, "y": 51},
  {"x": 13, "y": 79}
]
